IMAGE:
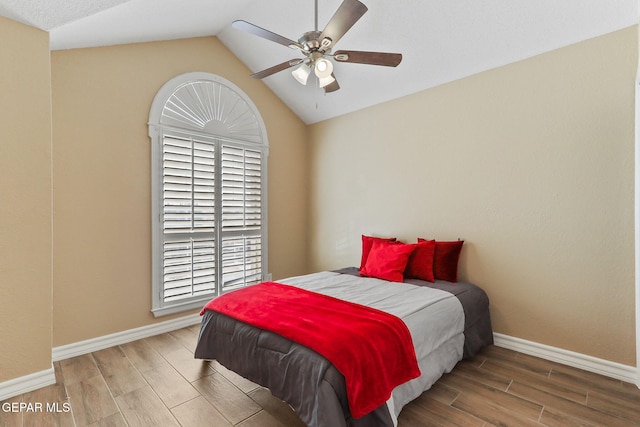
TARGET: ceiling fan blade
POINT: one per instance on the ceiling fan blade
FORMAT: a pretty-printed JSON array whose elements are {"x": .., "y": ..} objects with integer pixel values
[
  {"x": 332, "y": 87},
  {"x": 265, "y": 34},
  {"x": 372, "y": 58},
  {"x": 347, "y": 14},
  {"x": 276, "y": 68}
]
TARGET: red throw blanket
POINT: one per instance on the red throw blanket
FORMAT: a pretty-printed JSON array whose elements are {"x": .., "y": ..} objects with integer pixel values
[{"x": 372, "y": 349}]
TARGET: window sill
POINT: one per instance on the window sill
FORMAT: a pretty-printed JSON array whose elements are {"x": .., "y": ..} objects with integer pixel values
[{"x": 181, "y": 307}]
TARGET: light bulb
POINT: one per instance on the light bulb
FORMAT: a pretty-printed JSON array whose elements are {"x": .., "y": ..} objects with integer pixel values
[{"x": 323, "y": 68}]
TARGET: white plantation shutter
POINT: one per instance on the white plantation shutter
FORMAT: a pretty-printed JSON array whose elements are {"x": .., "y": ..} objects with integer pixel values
[
  {"x": 241, "y": 261},
  {"x": 189, "y": 268},
  {"x": 209, "y": 192},
  {"x": 241, "y": 216},
  {"x": 188, "y": 182},
  {"x": 241, "y": 194}
]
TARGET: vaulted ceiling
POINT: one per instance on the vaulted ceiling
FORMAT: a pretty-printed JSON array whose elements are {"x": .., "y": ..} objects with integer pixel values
[{"x": 441, "y": 40}]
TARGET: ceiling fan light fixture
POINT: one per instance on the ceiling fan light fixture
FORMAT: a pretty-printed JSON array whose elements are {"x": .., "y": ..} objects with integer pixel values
[
  {"x": 301, "y": 74},
  {"x": 323, "y": 68},
  {"x": 325, "y": 81}
]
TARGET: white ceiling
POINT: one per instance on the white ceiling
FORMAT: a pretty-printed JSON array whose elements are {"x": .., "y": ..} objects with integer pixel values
[{"x": 441, "y": 40}]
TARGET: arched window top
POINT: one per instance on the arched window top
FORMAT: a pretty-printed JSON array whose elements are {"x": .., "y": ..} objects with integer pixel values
[{"x": 209, "y": 104}]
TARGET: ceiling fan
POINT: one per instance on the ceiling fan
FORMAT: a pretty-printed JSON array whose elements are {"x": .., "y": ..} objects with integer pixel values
[{"x": 316, "y": 47}]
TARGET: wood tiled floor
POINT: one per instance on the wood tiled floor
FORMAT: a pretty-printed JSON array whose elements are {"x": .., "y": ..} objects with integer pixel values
[{"x": 157, "y": 382}]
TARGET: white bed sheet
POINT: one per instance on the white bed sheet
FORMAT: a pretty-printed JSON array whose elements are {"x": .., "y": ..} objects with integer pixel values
[{"x": 434, "y": 318}]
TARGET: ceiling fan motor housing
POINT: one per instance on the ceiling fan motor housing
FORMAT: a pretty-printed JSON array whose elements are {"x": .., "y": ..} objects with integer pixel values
[{"x": 310, "y": 40}]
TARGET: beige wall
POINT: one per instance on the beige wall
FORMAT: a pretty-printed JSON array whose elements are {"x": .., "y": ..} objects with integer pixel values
[
  {"x": 102, "y": 199},
  {"x": 25, "y": 200},
  {"x": 531, "y": 164}
]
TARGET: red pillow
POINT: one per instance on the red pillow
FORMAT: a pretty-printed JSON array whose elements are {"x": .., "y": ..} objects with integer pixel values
[
  {"x": 387, "y": 260},
  {"x": 445, "y": 260},
  {"x": 367, "y": 241},
  {"x": 420, "y": 265}
]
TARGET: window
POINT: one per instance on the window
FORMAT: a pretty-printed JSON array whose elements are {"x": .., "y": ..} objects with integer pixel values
[{"x": 209, "y": 160}]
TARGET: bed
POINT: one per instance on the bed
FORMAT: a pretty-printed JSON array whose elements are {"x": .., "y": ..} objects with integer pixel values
[{"x": 447, "y": 322}]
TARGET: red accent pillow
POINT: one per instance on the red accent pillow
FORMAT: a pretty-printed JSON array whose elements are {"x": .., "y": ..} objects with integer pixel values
[
  {"x": 445, "y": 260},
  {"x": 367, "y": 241},
  {"x": 387, "y": 260},
  {"x": 420, "y": 265}
]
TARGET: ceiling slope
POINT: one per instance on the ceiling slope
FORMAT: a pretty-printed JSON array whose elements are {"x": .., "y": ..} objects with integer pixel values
[{"x": 441, "y": 40}]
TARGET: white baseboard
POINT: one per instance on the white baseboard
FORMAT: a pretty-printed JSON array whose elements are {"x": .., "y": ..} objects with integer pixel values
[
  {"x": 17, "y": 386},
  {"x": 27, "y": 383},
  {"x": 106, "y": 341},
  {"x": 40, "y": 379},
  {"x": 577, "y": 360}
]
